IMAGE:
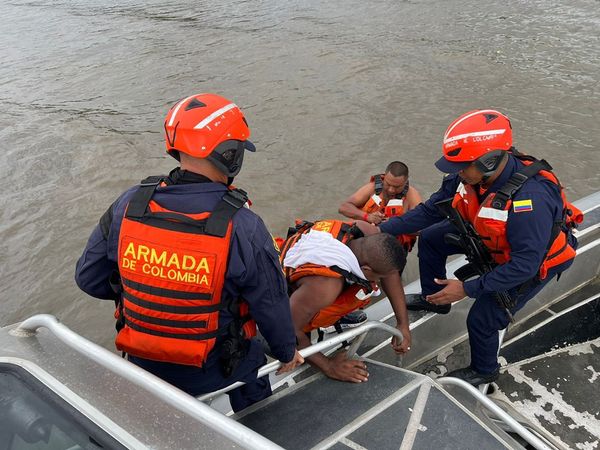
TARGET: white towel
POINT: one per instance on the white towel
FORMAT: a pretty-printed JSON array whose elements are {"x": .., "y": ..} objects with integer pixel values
[{"x": 320, "y": 247}]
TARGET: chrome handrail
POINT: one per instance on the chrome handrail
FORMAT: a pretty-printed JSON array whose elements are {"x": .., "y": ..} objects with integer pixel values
[
  {"x": 311, "y": 350},
  {"x": 224, "y": 425},
  {"x": 500, "y": 413}
]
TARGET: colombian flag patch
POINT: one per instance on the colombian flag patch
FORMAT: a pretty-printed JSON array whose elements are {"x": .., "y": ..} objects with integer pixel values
[{"x": 522, "y": 206}]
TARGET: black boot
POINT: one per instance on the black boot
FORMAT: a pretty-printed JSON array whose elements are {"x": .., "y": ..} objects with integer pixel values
[
  {"x": 473, "y": 377},
  {"x": 416, "y": 302}
]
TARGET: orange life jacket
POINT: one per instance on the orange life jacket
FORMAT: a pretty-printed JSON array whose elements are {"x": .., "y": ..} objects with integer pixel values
[
  {"x": 356, "y": 294},
  {"x": 393, "y": 207},
  {"x": 490, "y": 217},
  {"x": 172, "y": 267}
]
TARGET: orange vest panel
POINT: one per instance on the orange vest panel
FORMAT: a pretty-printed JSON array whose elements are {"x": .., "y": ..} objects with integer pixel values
[
  {"x": 344, "y": 304},
  {"x": 172, "y": 284}
]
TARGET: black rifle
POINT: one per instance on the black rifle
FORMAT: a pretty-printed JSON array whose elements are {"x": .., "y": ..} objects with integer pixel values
[{"x": 478, "y": 255}]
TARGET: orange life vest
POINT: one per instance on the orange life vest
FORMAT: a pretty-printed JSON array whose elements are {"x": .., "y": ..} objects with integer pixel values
[
  {"x": 489, "y": 218},
  {"x": 355, "y": 295},
  {"x": 392, "y": 208},
  {"x": 172, "y": 267}
]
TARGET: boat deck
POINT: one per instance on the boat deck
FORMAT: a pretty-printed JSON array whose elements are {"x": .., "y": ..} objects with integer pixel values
[
  {"x": 550, "y": 368},
  {"x": 395, "y": 408},
  {"x": 559, "y": 392}
]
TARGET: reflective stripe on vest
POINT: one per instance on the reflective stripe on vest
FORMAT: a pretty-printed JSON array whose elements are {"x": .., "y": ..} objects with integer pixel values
[
  {"x": 396, "y": 202},
  {"x": 491, "y": 213}
]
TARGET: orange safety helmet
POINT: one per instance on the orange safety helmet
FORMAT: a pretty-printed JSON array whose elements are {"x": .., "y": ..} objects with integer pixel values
[
  {"x": 480, "y": 135},
  {"x": 208, "y": 126}
]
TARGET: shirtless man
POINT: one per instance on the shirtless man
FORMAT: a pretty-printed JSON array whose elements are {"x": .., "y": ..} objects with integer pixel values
[
  {"x": 330, "y": 273},
  {"x": 386, "y": 195}
]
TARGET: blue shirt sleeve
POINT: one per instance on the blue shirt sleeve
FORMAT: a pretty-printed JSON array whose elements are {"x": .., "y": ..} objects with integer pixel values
[
  {"x": 93, "y": 270},
  {"x": 425, "y": 214},
  {"x": 528, "y": 234},
  {"x": 98, "y": 262},
  {"x": 254, "y": 267}
]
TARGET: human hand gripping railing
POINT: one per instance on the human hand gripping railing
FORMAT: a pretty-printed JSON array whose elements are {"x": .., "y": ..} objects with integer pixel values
[{"x": 313, "y": 349}]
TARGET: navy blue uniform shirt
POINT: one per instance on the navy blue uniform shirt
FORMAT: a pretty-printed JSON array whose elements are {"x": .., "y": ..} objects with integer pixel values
[
  {"x": 528, "y": 233},
  {"x": 253, "y": 270}
]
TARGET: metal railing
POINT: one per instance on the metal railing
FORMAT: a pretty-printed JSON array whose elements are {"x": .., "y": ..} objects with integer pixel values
[
  {"x": 313, "y": 349},
  {"x": 227, "y": 427},
  {"x": 511, "y": 422}
]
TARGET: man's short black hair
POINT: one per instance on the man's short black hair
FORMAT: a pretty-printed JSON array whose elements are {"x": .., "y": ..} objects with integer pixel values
[
  {"x": 384, "y": 253},
  {"x": 397, "y": 169}
]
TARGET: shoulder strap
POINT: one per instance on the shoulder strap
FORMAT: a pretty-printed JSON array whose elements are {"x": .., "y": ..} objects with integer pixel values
[
  {"x": 378, "y": 183},
  {"x": 404, "y": 191},
  {"x": 216, "y": 224},
  {"x": 345, "y": 235},
  {"x": 139, "y": 202},
  {"x": 516, "y": 182},
  {"x": 349, "y": 276},
  {"x": 106, "y": 221},
  {"x": 232, "y": 201},
  {"x": 300, "y": 227}
]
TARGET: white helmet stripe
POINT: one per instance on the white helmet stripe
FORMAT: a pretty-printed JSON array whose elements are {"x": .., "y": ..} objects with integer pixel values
[
  {"x": 172, "y": 119},
  {"x": 474, "y": 113},
  {"x": 476, "y": 133},
  {"x": 214, "y": 115}
]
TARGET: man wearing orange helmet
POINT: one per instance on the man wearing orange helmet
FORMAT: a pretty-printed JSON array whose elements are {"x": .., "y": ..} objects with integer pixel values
[
  {"x": 191, "y": 270},
  {"x": 518, "y": 208}
]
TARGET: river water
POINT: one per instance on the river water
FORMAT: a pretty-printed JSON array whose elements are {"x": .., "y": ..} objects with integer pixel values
[{"x": 333, "y": 91}]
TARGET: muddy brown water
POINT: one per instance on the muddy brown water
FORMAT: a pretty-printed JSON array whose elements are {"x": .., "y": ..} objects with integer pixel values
[{"x": 333, "y": 91}]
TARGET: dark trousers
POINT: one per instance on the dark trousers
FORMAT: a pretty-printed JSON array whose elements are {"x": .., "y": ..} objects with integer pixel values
[
  {"x": 485, "y": 317},
  {"x": 202, "y": 380}
]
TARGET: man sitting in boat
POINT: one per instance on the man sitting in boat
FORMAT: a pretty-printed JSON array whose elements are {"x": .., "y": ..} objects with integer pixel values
[
  {"x": 330, "y": 273},
  {"x": 191, "y": 269},
  {"x": 386, "y": 195},
  {"x": 516, "y": 206}
]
